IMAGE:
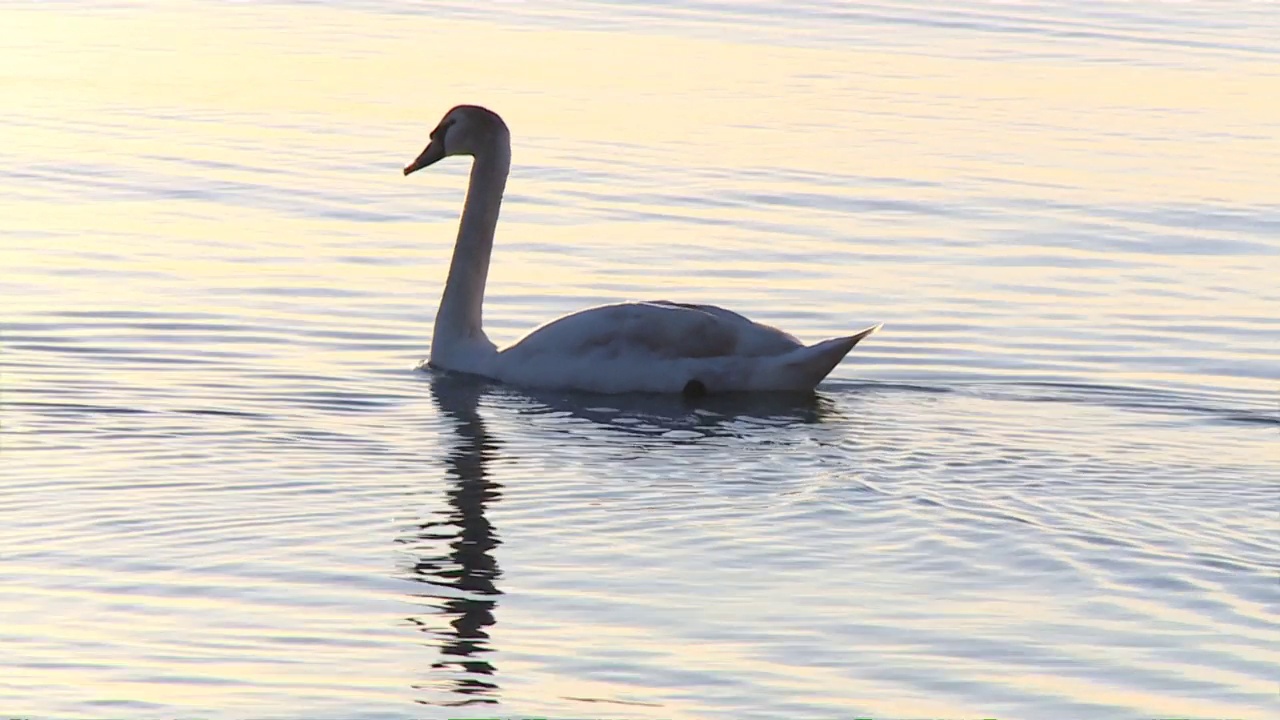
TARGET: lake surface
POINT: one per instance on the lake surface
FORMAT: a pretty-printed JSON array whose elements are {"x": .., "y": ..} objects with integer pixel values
[{"x": 1047, "y": 490}]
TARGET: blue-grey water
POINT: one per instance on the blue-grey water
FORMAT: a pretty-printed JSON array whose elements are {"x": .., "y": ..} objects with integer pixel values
[{"x": 1047, "y": 490}]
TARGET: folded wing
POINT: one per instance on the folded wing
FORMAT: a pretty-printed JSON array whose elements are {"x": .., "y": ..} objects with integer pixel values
[{"x": 660, "y": 329}]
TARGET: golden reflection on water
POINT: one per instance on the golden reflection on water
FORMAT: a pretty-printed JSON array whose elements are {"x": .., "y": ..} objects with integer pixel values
[
  {"x": 1190, "y": 134},
  {"x": 1118, "y": 133}
]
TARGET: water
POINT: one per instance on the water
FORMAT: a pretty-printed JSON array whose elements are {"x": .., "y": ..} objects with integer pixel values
[{"x": 1046, "y": 490}]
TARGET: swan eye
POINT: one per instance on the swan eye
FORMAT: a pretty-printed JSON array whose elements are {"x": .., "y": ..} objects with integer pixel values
[{"x": 440, "y": 129}]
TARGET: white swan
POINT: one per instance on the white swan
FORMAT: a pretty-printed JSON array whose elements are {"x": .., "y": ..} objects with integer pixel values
[{"x": 660, "y": 346}]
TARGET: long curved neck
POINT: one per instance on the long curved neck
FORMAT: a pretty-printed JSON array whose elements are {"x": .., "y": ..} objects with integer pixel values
[{"x": 460, "y": 314}]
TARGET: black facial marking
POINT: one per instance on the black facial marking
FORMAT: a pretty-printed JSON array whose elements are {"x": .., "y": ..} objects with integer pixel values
[
  {"x": 441, "y": 128},
  {"x": 695, "y": 388}
]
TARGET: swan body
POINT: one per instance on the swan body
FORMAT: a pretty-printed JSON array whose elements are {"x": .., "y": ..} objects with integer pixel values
[{"x": 657, "y": 347}]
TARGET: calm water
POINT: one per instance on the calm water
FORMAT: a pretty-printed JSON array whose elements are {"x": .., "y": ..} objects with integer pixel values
[{"x": 1047, "y": 490}]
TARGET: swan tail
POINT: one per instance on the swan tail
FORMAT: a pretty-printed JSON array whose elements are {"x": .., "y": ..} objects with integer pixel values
[{"x": 809, "y": 365}]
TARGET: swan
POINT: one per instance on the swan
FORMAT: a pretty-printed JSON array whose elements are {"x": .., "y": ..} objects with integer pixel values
[{"x": 631, "y": 347}]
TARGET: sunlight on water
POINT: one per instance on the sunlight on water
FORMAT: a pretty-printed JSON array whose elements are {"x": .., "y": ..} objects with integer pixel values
[{"x": 1044, "y": 491}]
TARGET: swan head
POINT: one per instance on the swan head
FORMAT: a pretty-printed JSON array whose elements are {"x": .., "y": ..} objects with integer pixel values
[{"x": 464, "y": 130}]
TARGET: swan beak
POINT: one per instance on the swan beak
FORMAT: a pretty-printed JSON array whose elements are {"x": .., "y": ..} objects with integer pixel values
[{"x": 432, "y": 154}]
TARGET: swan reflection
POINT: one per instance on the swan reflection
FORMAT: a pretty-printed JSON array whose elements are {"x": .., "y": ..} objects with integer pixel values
[
  {"x": 673, "y": 417},
  {"x": 463, "y": 565},
  {"x": 454, "y": 547}
]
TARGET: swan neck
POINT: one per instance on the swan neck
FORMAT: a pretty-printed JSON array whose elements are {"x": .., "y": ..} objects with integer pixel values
[{"x": 461, "y": 308}]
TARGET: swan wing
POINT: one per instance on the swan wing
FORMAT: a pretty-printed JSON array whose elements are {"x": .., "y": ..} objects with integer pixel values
[{"x": 657, "y": 330}]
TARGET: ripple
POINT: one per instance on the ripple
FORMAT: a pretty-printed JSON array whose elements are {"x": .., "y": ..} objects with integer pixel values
[{"x": 1044, "y": 491}]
